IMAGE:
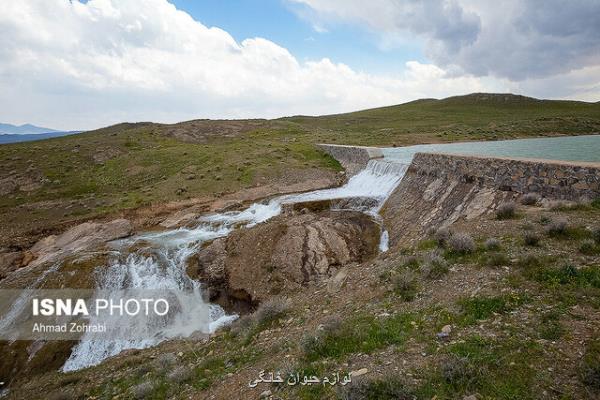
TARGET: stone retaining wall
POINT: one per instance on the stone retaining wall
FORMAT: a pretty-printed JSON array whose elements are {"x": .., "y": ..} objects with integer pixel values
[
  {"x": 352, "y": 158},
  {"x": 552, "y": 179},
  {"x": 439, "y": 189}
]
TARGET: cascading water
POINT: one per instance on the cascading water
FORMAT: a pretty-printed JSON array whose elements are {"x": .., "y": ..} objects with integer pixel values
[{"x": 158, "y": 262}]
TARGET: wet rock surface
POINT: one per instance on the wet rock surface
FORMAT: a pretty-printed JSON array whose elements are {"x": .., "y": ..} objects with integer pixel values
[
  {"x": 79, "y": 238},
  {"x": 283, "y": 254}
]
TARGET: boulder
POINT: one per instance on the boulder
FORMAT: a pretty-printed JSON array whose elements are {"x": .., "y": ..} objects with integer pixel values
[
  {"x": 285, "y": 253},
  {"x": 82, "y": 237}
]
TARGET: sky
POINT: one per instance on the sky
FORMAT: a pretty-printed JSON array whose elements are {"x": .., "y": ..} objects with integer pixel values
[{"x": 76, "y": 65}]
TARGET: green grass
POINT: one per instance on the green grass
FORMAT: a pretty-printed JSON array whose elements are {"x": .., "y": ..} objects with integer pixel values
[
  {"x": 495, "y": 369},
  {"x": 478, "y": 308},
  {"x": 361, "y": 334}
]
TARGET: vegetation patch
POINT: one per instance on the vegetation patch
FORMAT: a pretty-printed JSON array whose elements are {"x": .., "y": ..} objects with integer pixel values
[
  {"x": 483, "y": 307},
  {"x": 494, "y": 369},
  {"x": 362, "y": 334}
]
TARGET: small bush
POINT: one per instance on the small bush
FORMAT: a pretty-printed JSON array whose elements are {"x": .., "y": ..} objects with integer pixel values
[
  {"x": 166, "y": 360},
  {"x": 180, "y": 375},
  {"x": 596, "y": 234},
  {"x": 506, "y": 210},
  {"x": 242, "y": 325},
  {"x": 492, "y": 244},
  {"x": 411, "y": 262},
  {"x": 310, "y": 343},
  {"x": 442, "y": 236},
  {"x": 558, "y": 205},
  {"x": 331, "y": 324},
  {"x": 405, "y": 284},
  {"x": 551, "y": 328},
  {"x": 591, "y": 365},
  {"x": 271, "y": 310},
  {"x": 530, "y": 199},
  {"x": 434, "y": 266},
  {"x": 557, "y": 228},
  {"x": 588, "y": 247},
  {"x": 143, "y": 390},
  {"x": 461, "y": 243},
  {"x": 458, "y": 371},
  {"x": 531, "y": 239},
  {"x": 388, "y": 388},
  {"x": 497, "y": 259}
]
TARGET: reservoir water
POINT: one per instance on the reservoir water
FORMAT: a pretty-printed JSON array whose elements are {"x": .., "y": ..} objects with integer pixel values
[{"x": 566, "y": 148}]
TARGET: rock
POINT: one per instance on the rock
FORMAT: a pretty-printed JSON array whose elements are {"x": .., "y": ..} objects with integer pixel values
[
  {"x": 359, "y": 372},
  {"x": 79, "y": 238},
  {"x": 10, "y": 262},
  {"x": 335, "y": 283},
  {"x": 179, "y": 219},
  {"x": 447, "y": 329},
  {"x": 266, "y": 394},
  {"x": 287, "y": 252}
]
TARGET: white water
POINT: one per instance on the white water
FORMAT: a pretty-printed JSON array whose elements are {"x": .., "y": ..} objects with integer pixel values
[{"x": 159, "y": 263}]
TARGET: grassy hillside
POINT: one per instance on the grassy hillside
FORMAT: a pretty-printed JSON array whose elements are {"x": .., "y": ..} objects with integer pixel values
[
  {"x": 48, "y": 182},
  {"x": 473, "y": 117}
]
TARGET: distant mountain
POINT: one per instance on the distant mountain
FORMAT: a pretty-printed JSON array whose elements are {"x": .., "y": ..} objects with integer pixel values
[
  {"x": 26, "y": 129},
  {"x": 27, "y": 133},
  {"x": 15, "y": 138}
]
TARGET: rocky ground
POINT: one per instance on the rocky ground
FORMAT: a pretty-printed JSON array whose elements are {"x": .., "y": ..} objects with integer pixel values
[{"x": 499, "y": 307}]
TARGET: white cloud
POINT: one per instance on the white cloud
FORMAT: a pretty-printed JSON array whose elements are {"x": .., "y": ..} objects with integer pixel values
[
  {"x": 521, "y": 40},
  {"x": 81, "y": 65}
]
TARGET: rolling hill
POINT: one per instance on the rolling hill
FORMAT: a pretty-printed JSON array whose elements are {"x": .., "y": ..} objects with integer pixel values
[{"x": 129, "y": 165}]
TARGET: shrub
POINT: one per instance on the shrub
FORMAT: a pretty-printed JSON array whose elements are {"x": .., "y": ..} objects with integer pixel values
[
  {"x": 506, "y": 210},
  {"x": 434, "y": 266},
  {"x": 558, "y": 205},
  {"x": 596, "y": 234},
  {"x": 405, "y": 284},
  {"x": 310, "y": 343},
  {"x": 142, "y": 391},
  {"x": 180, "y": 375},
  {"x": 492, "y": 244},
  {"x": 442, "y": 236},
  {"x": 530, "y": 199},
  {"x": 411, "y": 262},
  {"x": 458, "y": 371},
  {"x": 271, "y": 310},
  {"x": 388, "y": 388},
  {"x": 497, "y": 259},
  {"x": 331, "y": 324},
  {"x": 531, "y": 239},
  {"x": 242, "y": 325},
  {"x": 591, "y": 365},
  {"x": 165, "y": 360},
  {"x": 587, "y": 247},
  {"x": 557, "y": 228},
  {"x": 461, "y": 243}
]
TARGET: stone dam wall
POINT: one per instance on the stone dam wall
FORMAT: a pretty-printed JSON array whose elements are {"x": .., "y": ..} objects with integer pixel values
[
  {"x": 352, "y": 158},
  {"x": 438, "y": 189}
]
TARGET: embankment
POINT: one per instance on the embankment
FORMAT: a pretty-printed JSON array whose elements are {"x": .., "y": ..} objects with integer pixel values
[
  {"x": 352, "y": 158},
  {"x": 439, "y": 189}
]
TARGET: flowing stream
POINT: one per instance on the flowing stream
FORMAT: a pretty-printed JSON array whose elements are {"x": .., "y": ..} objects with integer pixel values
[{"x": 157, "y": 261}]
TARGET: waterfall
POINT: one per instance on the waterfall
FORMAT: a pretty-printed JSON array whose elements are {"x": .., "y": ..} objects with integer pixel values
[{"x": 157, "y": 261}]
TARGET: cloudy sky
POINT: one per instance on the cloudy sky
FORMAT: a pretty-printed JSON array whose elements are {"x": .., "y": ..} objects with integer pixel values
[{"x": 85, "y": 64}]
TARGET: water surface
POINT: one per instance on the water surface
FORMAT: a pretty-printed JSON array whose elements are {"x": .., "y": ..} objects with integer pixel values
[{"x": 565, "y": 148}]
